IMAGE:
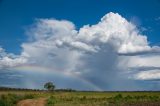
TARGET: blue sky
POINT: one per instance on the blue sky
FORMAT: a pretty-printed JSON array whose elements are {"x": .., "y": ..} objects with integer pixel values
[
  {"x": 16, "y": 15},
  {"x": 80, "y": 41}
]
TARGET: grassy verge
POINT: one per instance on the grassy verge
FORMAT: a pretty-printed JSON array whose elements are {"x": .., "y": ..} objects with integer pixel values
[{"x": 12, "y": 99}]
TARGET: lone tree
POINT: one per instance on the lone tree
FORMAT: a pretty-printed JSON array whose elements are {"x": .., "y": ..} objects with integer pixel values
[{"x": 49, "y": 86}]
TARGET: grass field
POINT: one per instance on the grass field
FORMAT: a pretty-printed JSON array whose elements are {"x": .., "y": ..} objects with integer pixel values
[{"x": 11, "y": 98}]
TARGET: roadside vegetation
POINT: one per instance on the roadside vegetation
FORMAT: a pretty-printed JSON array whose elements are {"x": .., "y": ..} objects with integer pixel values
[
  {"x": 79, "y": 98},
  {"x": 13, "y": 99},
  {"x": 69, "y": 97}
]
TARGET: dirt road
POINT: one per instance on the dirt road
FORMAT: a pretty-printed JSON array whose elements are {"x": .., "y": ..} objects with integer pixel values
[{"x": 32, "y": 102}]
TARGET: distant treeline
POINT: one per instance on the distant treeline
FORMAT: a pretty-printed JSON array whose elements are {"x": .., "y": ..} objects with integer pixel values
[
  {"x": 18, "y": 89},
  {"x": 59, "y": 90},
  {"x": 25, "y": 89}
]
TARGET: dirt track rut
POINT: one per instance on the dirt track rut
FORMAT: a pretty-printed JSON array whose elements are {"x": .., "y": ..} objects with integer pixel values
[{"x": 32, "y": 102}]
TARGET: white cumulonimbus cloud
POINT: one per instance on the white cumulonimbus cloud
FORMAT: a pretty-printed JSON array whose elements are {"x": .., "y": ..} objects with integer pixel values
[{"x": 103, "y": 54}]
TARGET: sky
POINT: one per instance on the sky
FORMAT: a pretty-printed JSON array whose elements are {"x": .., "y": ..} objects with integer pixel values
[{"x": 80, "y": 44}]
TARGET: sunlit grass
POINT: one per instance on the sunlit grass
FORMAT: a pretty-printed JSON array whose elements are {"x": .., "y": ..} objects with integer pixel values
[{"x": 83, "y": 98}]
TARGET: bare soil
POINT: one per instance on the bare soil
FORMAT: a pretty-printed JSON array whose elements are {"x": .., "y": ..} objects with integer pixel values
[{"x": 32, "y": 102}]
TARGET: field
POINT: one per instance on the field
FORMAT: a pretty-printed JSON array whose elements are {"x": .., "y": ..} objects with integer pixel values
[{"x": 64, "y": 98}]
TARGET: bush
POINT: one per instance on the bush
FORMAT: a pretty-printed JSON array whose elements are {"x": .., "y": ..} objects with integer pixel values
[
  {"x": 12, "y": 99},
  {"x": 51, "y": 101},
  {"x": 9, "y": 99}
]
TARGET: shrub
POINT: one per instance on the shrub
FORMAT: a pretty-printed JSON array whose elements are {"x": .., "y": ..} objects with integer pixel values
[
  {"x": 51, "y": 101},
  {"x": 9, "y": 99},
  {"x": 12, "y": 99}
]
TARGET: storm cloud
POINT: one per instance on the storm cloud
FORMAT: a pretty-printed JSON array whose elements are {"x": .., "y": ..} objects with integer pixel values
[{"x": 103, "y": 56}]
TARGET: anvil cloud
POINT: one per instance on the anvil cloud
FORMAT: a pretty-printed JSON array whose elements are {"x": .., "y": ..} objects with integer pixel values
[{"x": 110, "y": 54}]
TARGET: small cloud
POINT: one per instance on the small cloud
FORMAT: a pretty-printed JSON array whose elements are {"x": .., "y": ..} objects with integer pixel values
[{"x": 148, "y": 75}]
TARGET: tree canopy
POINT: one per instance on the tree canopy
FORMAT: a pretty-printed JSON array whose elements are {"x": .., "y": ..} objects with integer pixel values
[{"x": 49, "y": 86}]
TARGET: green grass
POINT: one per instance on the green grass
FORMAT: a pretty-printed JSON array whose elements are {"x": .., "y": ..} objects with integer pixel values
[
  {"x": 120, "y": 100},
  {"x": 10, "y": 98},
  {"x": 104, "y": 98},
  {"x": 51, "y": 101}
]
